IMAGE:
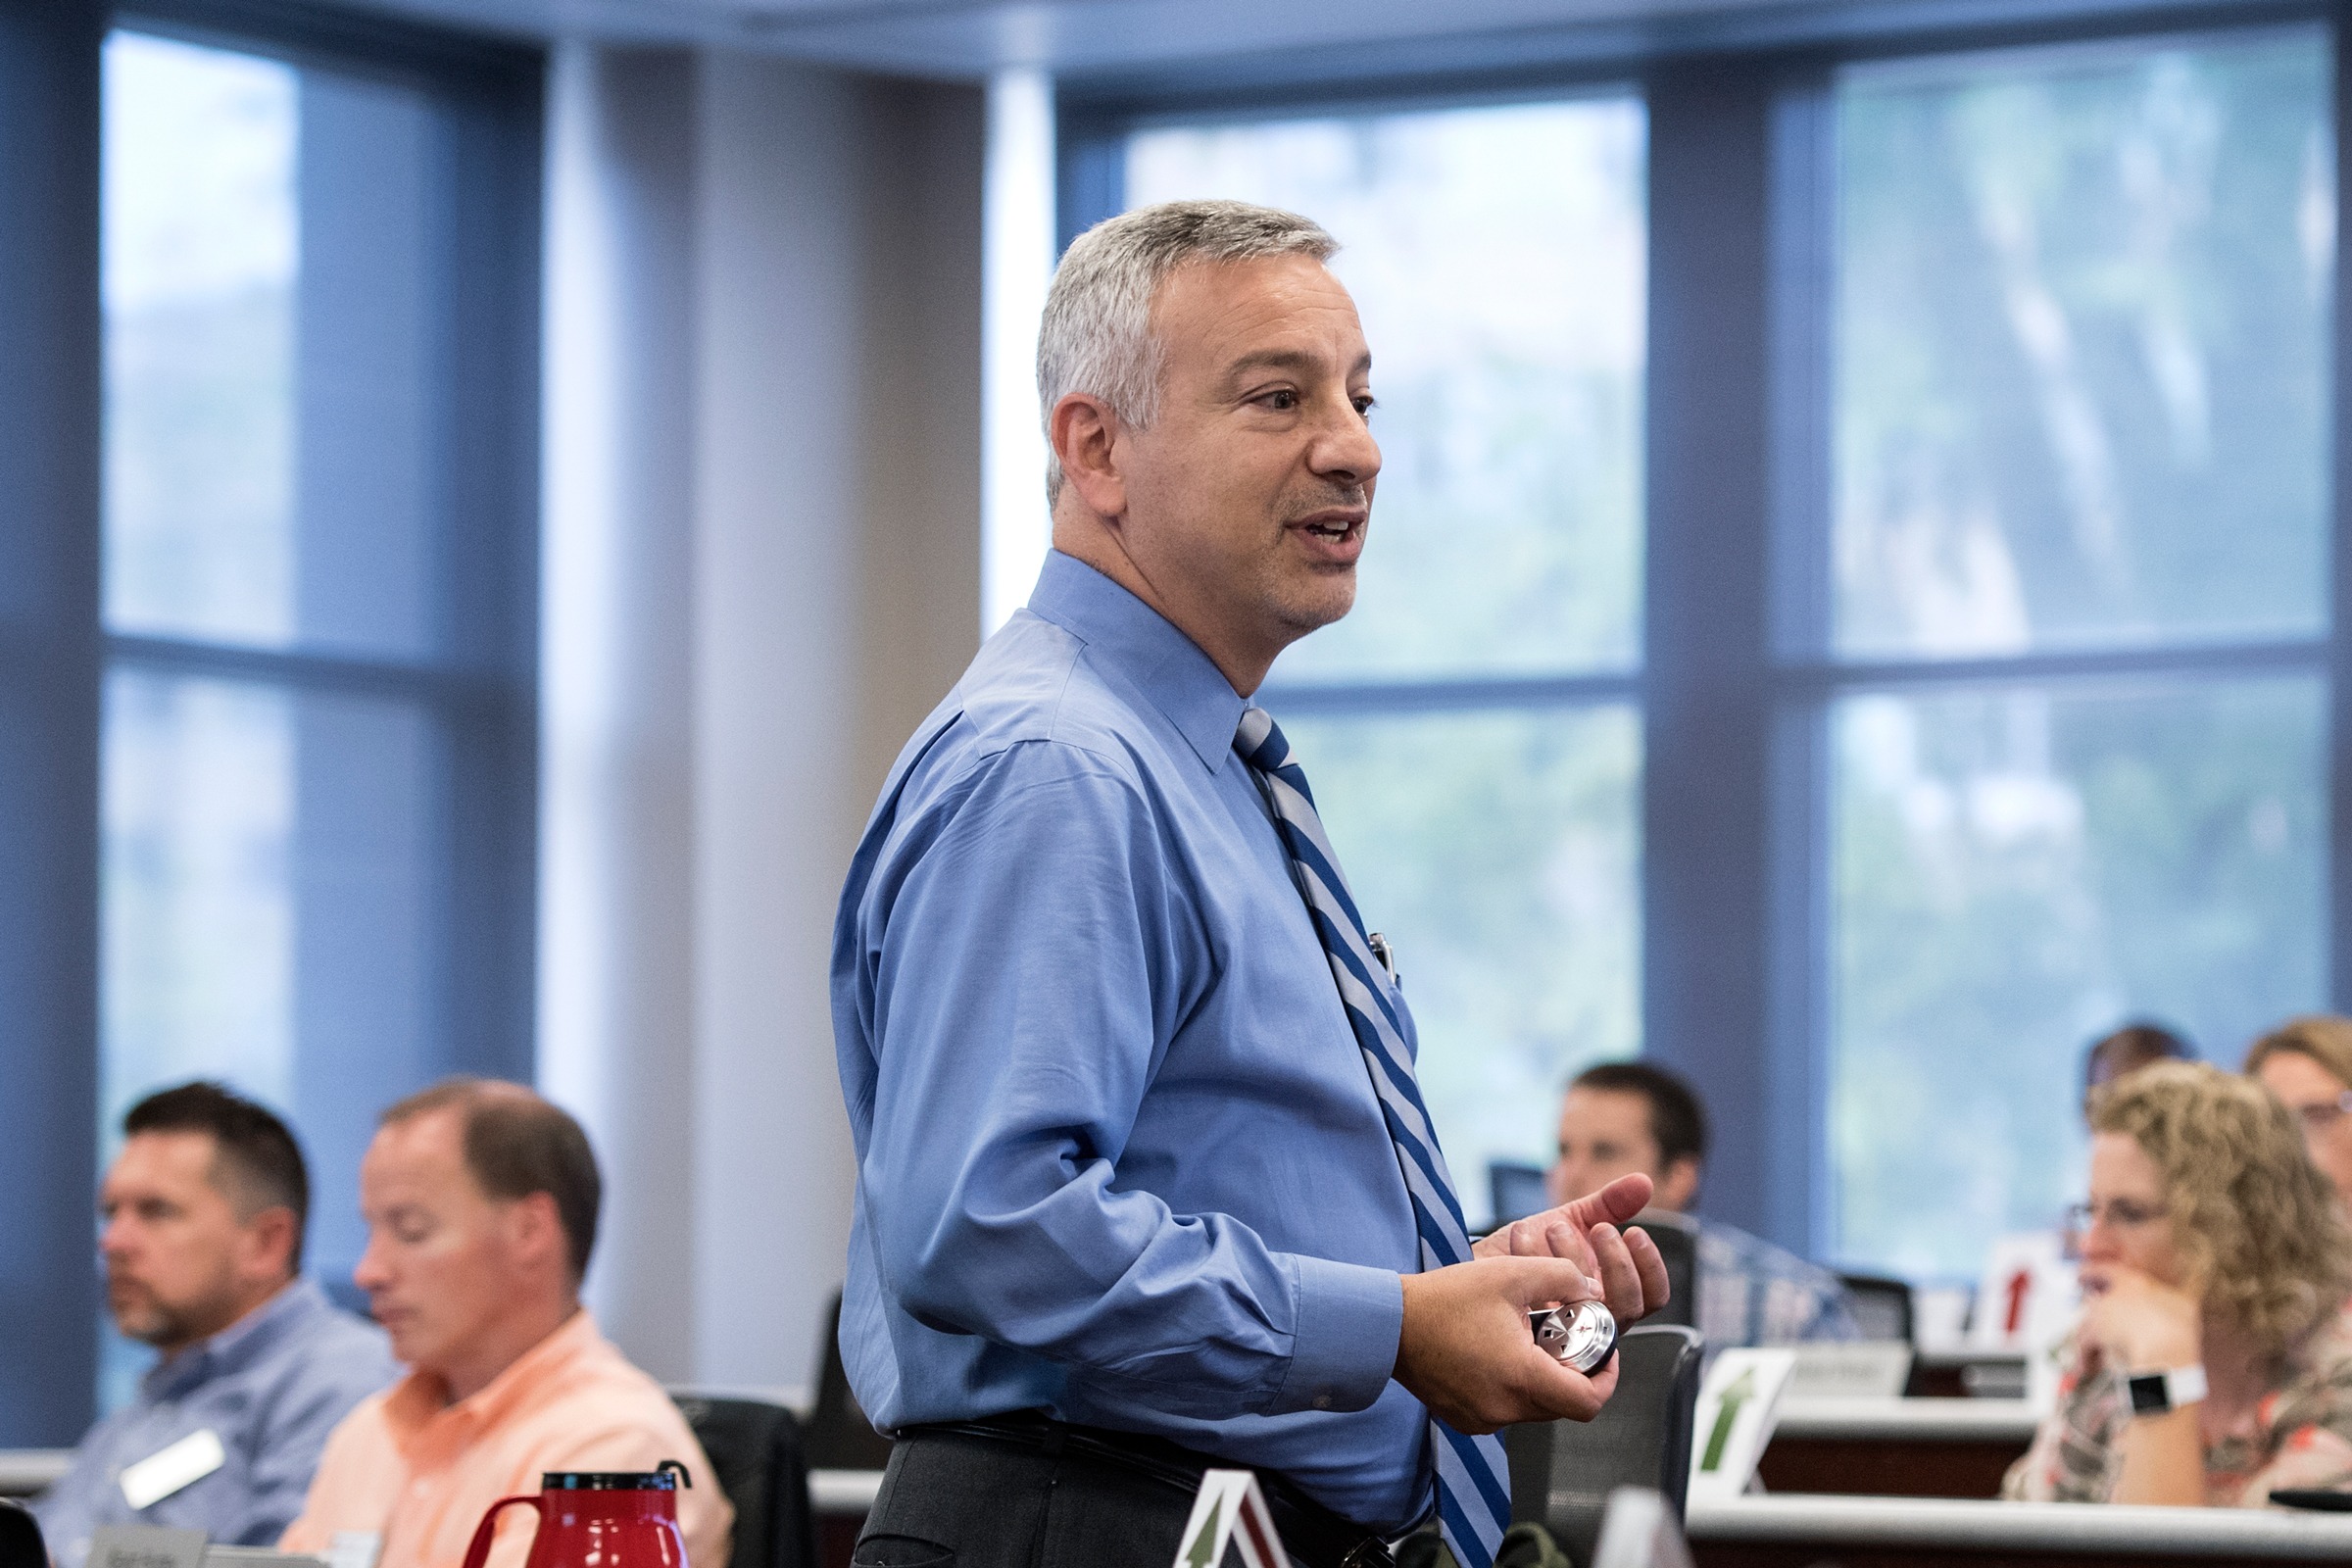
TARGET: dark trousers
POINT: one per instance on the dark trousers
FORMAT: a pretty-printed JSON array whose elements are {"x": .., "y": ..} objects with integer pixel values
[{"x": 953, "y": 1502}]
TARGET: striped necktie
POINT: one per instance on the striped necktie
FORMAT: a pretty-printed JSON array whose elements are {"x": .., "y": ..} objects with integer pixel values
[{"x": 1474, "y": 1492}]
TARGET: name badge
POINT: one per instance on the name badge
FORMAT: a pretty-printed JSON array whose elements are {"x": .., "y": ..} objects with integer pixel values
[
  {"x": 353, "y": 1548},
  {"x": 168, "y": 1469}
]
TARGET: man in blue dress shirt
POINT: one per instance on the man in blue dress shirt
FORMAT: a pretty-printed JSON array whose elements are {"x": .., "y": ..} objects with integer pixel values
[
  {"x": 1127, "y": 1204},
  {"x": 204, "y": 1214}
]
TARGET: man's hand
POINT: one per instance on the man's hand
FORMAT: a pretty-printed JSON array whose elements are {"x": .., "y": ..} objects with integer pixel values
[
  {"x": 1632, "y": 1274},
  {"x": 1467, "y": 1351}
]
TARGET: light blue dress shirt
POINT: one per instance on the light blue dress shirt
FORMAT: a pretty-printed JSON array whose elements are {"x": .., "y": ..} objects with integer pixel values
[
  {"x": 1119, "y": 1152},
  {"x": 270, "y": 1386}
]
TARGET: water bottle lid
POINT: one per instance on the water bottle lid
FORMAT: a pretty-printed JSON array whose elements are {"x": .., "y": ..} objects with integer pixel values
[{"x": 667, "y": 1477}]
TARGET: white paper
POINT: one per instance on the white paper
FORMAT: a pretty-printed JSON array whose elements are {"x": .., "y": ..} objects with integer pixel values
[
  {"x": 1939, "y": 1317},
  {"x": 167, "y": 1469},
  {"x": 1738, "y": 1404}
]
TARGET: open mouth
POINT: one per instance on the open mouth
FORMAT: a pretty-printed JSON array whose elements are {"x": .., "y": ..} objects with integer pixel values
[{"x": 1332, "y": 529}]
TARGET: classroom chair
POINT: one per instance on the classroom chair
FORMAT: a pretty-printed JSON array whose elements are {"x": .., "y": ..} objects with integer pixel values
[{"x": 1562, "y": 1472}]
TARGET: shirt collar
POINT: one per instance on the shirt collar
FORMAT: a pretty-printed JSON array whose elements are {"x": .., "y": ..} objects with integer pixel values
[
  {"x": 417, "y": 1399},
  {"x": 1129, "y": 637},
  {"x": 236, "y": 1346}
]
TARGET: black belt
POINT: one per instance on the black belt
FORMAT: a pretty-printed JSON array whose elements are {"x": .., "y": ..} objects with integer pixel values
[{"x": 1311, "y": 1531}]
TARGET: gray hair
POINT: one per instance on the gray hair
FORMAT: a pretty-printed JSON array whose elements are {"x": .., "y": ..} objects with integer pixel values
[{"x": 1096, "y": 336}]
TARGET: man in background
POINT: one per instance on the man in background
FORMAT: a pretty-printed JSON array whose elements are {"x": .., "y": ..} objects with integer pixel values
[
  {"x": 2132, "y": 1047},
  {"x": 481, "y": 1202},
  {"x": 204, "y": 1214},
  {"x": 1629, "y": 1116}
]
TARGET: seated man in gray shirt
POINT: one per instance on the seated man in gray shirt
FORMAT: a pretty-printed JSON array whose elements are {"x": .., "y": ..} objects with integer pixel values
[
  {"x": 1626, "y": 1116},
  {"x": 204, "y": 1212}
]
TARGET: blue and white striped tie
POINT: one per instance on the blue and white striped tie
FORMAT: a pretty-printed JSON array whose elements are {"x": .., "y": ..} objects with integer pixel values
[{"x": 1473, "y": 1492}]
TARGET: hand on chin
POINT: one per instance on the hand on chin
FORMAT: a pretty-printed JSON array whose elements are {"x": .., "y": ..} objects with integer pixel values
[{"x": 2135, "y": 1321}]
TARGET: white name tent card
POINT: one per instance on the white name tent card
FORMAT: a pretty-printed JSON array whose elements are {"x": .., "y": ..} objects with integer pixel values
[
  {"x": 2028, "y": 1296},
  {"x": 1230, "y": 1510},
  {"x": 1638, "y": 1531},
  {"x": 1738, "y": 1404},
  {"x": 171, "y": 1467},
  {"x": 1862, "y": 1370}
]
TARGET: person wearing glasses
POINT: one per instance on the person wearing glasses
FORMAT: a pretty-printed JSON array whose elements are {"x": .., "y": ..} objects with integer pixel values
[
  {"x": 2307, "y": 1062},
  {"x": 2211, "y": 1364}
]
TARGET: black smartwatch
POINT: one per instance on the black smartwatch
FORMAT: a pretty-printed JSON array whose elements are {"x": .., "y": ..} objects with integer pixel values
[{"x": 2161, "y": 1393}]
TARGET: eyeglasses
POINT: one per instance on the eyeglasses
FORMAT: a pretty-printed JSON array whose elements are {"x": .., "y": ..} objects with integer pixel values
[
  {"x": 2119, "y": 1213},
  {"x": 2319, "y": 1118}
]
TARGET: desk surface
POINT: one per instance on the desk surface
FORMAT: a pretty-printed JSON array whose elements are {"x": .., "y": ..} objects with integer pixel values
[
  {"x": 25, "y": 1471},
  {"x": 2111, "y": 1530}
]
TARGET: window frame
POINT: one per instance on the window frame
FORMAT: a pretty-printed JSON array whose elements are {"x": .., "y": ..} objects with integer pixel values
[
  {"x": 479, "y": 690},
  {"x": 1806, "y": 677},
  {"x": 1735, "y": 818},
  {"x": 56, "y": 649}
]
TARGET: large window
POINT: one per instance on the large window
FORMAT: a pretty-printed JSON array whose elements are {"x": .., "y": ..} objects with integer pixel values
[
  {"x": 317, "y": 784},
  {"x": 2073, "y": 654},
  {"x": 1914, "y": 659},
  {"x": 1473, "y": 729}
]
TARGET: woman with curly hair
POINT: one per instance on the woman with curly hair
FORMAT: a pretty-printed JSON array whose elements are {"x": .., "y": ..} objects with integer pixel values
[{"x": 2212, "y": 1360}]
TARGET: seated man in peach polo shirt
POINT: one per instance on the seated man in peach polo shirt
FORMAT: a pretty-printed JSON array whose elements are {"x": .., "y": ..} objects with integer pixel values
[{"x": 481, "y": 1199}]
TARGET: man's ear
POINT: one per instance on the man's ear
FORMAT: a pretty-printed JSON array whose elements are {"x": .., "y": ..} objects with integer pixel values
[
  {"x": 536, "y": 1230},
  {"x": 1085, "y": 432},
  {"x": 269, "y": 1242},
  {"x": 1678, "y": 1185}
]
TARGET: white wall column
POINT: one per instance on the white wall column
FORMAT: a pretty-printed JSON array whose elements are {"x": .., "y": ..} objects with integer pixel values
[
  {"x": 1015, "y": 528},
  {"x": 819, "y": 546},
  {"x": 616, "y": 904}
]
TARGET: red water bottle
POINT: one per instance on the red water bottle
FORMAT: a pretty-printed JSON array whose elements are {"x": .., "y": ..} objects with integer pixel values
[{"x": 592, "y": 1519}]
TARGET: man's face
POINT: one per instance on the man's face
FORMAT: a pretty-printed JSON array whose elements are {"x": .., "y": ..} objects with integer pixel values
[
  {"x": 1605, "y": 1134},
  {"x": 440, "y": 1260},
  {"x": 1249, "y": 497},
  {"x": 177, "y": 1255}
]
